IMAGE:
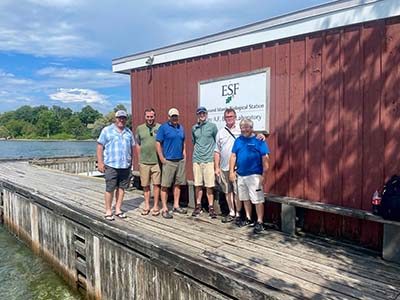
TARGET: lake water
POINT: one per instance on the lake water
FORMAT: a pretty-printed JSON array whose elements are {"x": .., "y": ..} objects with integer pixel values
[
  {"x": 34, "y": 149},
  {"x": 24, "y": 276}
]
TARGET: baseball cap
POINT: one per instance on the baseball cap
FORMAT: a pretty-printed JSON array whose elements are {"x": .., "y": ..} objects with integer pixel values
[
  {"x": 121, "y": 113},
  {"x": 201, "y": 109},
  {"x": 172, "y": 112}
]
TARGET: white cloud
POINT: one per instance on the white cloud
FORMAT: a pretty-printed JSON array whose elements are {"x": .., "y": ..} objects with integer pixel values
[
  {"x": 78, "y": 95},
  {"x": 85, "y": 78}
]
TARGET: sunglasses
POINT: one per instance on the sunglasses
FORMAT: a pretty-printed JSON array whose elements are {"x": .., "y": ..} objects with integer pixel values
[{"x": 151, "y": 131}]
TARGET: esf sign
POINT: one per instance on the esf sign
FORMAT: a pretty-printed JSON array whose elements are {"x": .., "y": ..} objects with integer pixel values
[
  {"x": 230, "y": 89},
  {"x": 247, "y": 93}
]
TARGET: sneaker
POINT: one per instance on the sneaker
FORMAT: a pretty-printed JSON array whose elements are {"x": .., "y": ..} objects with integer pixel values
[
  {"x": 238, "y": 222},
  {"x": 166, "y": 215},
  {"x": 247, "y": 222},
  {"x": 179, "y": 210},
  {"x": 197, "y": 211},
  {"x": 227, "y": 219},
  {"x": 211, "y": 212},
  {"x": 258, "y": 227}
]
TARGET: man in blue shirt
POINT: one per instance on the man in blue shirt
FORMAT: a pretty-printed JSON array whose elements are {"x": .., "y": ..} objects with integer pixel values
[
  {"x": 115, "y": 148},
  {"x": 171, "y": 150},
  {"x": 250, "y": 156}
]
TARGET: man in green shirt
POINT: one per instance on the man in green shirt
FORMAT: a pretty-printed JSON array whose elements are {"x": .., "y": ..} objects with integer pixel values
[
  {"x": 149, "y": 166},
  {"x": 203, "y": 136}
]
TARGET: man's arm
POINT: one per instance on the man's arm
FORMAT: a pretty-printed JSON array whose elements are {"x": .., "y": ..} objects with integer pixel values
[
  {"x": 265, "y": 161},
  {"x": 232, "y": 163},
  {"x": 217, "y": 159},
  {"x": 184, "y": 150},
  {"x": 160, "y": 152},
  {"x": 100, "y": 162}
]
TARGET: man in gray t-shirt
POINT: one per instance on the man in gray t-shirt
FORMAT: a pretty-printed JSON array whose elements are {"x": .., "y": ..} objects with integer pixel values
[{"x": 203, "y": 136}]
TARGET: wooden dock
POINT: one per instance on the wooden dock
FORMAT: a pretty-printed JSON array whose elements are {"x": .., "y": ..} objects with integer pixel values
[{"x": 146, "y": 257}]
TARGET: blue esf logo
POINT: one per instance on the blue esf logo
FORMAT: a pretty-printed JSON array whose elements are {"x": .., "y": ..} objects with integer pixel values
[{"x": 229, "y": 91}]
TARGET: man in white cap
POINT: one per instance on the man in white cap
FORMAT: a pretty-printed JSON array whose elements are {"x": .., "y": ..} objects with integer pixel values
[
  {"x": 115, "y": 149},
  {"x": 171, "y": 150}
]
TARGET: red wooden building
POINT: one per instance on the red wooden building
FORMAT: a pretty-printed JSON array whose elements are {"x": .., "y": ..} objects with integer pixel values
[{"x": 334, "y": 117}]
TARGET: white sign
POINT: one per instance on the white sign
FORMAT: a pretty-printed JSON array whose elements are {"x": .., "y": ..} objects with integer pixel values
[{"x": 247, "y": 94}]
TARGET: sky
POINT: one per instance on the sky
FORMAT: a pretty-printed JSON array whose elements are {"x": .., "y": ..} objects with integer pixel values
[{"x": 60, "y": 52}]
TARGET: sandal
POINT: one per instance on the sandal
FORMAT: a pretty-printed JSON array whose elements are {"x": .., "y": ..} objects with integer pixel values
[
  {"x": 156, "y": 213},
  {"x": 145, "y": 212},
  {"x": 109, "y": 217},
  {"x": 121, "y": 215}
]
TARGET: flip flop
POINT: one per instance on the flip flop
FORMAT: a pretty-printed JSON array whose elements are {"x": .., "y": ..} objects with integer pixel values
[
  {"x": 145, "y": 212},
  {"x": 121, "y": 215},
  {"x": 156, "y": 213},
  {"x": 109, "y": 217}
]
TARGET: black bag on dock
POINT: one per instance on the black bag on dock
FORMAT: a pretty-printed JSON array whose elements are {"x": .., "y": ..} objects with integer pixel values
[{"x": 390, "y": 205}]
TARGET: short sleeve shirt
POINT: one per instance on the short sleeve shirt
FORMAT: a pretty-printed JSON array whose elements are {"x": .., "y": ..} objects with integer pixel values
[
  {"x": 171, "y": 139},
  {"x": 146, "y": 138},
  {"x": 224, "y": 143},
  {"x": 203, "y": 136},
  {"x": 117, "y": 145},
  {"x": 249, "y": 153}
]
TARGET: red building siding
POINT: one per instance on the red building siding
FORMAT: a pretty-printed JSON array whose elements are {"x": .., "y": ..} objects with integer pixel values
[{"x": 334, "y": 114}]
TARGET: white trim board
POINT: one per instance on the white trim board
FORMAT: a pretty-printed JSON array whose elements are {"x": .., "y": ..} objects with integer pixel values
[{"x": 323, "y": 17}]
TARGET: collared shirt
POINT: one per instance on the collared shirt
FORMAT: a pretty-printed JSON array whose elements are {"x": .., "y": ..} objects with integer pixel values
[
  {"x": 249, "y": 153},
  {"x": 203, "y": 137},
  {"x": 171, "y": 139},
  {"x": 224, "y": 143},
  {"x": 146, "y": 138},
  {"x": 118, "y": 145}
]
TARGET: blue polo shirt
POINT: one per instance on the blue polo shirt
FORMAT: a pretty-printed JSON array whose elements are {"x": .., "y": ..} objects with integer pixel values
[
  {"x": 249, "y": 153},
  {"x": 171, "y": 139}
]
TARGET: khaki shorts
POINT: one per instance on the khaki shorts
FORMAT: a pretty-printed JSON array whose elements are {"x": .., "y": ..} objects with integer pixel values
[
  {"x": 250, "y": 189},
  {"x": 204, "y": 173},
  {"x": 226, "y": 185},
  {"x": 173, "y": 172},
  {"x": 149, "y": 173}
]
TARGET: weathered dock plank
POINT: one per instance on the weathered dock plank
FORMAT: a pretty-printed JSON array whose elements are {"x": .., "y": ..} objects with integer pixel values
[{"x": 146, "y": 257}]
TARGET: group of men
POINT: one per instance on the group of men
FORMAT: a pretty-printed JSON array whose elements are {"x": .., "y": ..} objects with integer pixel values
[{"x": 234, "y": 157}]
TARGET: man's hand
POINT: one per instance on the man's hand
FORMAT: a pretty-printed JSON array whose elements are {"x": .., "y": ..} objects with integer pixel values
[
  {"x": 217, "y": 172},
  {"x": 260, "y": 137},
  {"x": 100, "y": 167},
  {"x": 232, "y": 176}
]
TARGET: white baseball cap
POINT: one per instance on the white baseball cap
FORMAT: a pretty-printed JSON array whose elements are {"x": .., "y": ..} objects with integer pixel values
[
  {"x": 173, "y": 112},
  {"x": 121, "y": 113}
]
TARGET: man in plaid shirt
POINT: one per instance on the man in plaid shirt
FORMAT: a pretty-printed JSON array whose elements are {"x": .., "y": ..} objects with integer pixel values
[{"x": 115, "y": 148}]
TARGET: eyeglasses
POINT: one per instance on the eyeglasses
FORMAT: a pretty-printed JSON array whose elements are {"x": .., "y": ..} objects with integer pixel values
[{"x": 121, "y": 118}]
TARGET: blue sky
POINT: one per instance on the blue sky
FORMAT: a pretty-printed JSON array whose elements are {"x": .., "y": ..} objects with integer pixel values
[{"x": 59, "y": 52}]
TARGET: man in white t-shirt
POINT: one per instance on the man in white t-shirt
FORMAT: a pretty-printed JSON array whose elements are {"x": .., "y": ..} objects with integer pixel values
[{"x": 223, "y": 149}]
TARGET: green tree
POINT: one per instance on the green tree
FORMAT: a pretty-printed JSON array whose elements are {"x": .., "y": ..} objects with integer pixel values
[
  {"x": 74, "y": 126},
  {"x": 7, "y": 116},
  {"x": 36, "y": 111},
  {"x": 4, "y": 133},
  {"x": 89, "y": 115},
  {"x": 15, "y": 127},
  {"x": 25, "y": 113},
  {"x": 62, "y": 113},
  {"x": 47, "y": 123},
  {"x": 120, "y": 107}
]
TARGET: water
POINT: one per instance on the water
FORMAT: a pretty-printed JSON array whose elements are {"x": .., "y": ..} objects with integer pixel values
[
  {"x": 35, "y": 149},
  {"x": 24, "y": 276}
]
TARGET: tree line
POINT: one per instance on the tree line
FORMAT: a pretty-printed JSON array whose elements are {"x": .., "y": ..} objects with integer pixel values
[{"x": 56, "y": 122}]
